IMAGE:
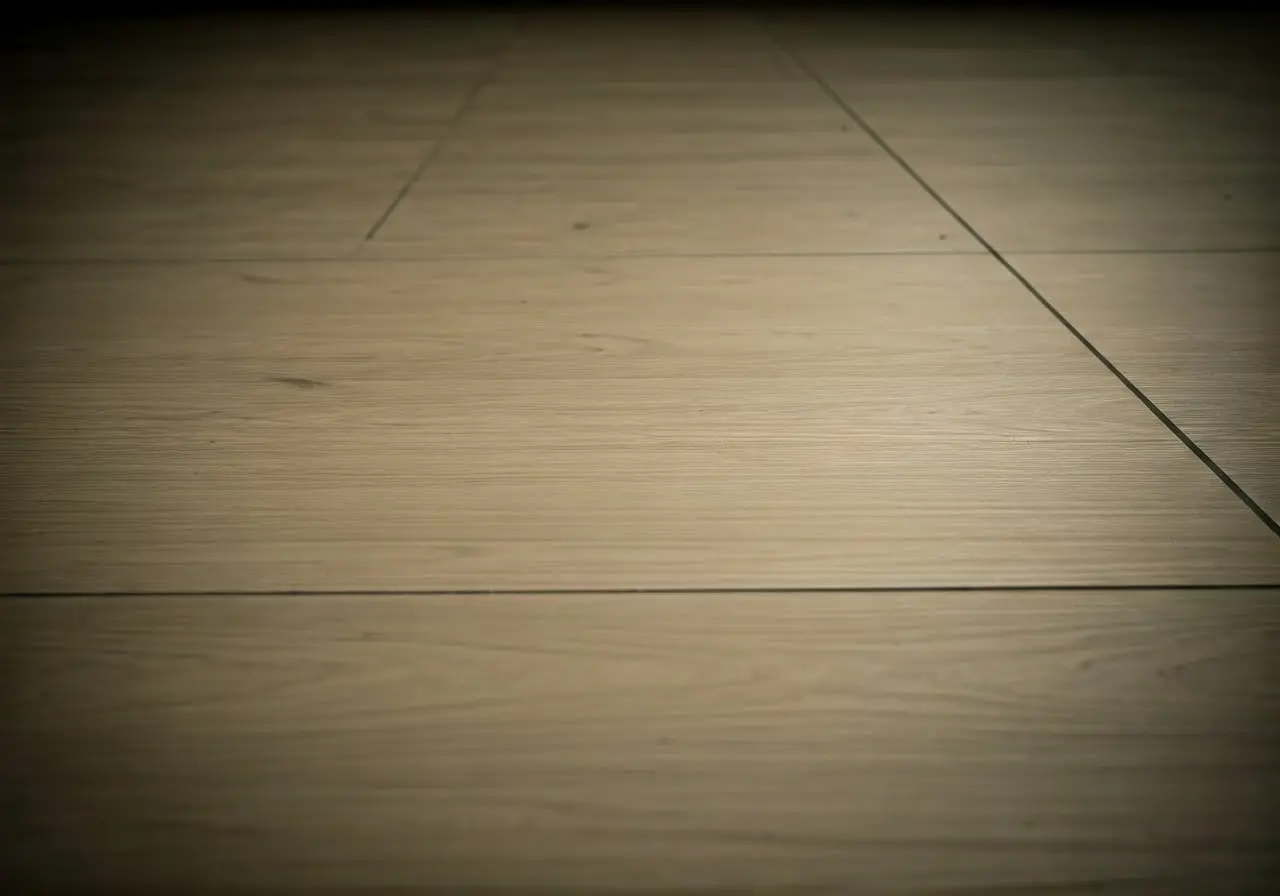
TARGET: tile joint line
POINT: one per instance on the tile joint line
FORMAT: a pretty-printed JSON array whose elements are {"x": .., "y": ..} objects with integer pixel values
[
  {"x": 1265, "y": 518},
  {"x": 615, "y": 591},
  {"x": 437, "y": 145}
]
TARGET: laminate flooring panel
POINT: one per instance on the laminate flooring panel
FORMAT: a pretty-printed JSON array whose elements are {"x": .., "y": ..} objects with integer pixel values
[
  {"x": 1086, "y": 164},
  {"x": 865, "y": 30},
  {"x": 218, "y": 139},
  {"x": 650, "y": 47},
  {"x": 666, "y": 210},
  {"x": 690, "y": 168},
  {"x": 768, "y": 422},
  {"x": 606, "y": 62},
  {"x": 1228, "y": 51},
  {"x": 147, "y": 200},
  {"x": 562, "y": 121},
  {"x": 1224, "y": 49},
  {"x": 257, "y": 48},
  {"x": 1199, "y": 334},
  {"x": 1125, "y": 121},
  {"x": 871, "y": 743},
  {"x": 878, "y": 53}
]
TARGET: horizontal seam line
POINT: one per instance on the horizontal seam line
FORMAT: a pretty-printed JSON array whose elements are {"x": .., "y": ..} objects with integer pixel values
[{"x": 569, "y": 592}]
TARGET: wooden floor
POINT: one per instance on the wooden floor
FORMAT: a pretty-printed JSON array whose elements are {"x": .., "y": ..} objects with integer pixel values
[{"x": 640, "y": 453}]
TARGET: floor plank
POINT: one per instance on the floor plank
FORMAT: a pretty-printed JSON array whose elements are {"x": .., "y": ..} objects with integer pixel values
[
  {"x": 1086, "y": 163},
  {"x": 717, "y": 206},
  {"x": 1230, "y": 52},
  {"x": 1051, "y": 742},
  {"x": 606, "y": 391},
  {"x": 1199, "y": 334},
  {"x": 224, "y": 137},
  {"x": 552, "y": 424},
  {"x": 643, "y": 46},
  {"x": 670, "y": 168}
]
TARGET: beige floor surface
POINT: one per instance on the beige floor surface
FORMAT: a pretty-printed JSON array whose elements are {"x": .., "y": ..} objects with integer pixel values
[{"x": 923, "y": 374}]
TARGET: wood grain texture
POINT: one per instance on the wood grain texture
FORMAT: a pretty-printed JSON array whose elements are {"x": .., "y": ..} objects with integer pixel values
[
  {"x": 949, "y": 743},
  {"x": 626, "y": 135},
  {"x": 1086, "y": 162},
  {"x": 1200, "y": 334},
  {"x": 1230, "y": 52},
  {"x": 730, "y": 207},
  {"x": 832, "y": 422},
  {"x": 662, "y": 168},
  {"x": 379, "y": 415},
  {"x": 224, "y": 137},
  {"x": 1089, "y": 119},
  {"x": 643, "y": 46},
  {"x": 878, "y": 62}
]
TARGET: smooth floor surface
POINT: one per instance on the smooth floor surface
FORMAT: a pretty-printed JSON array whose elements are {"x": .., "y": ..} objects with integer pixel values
[{"x": 641, "y": 453}]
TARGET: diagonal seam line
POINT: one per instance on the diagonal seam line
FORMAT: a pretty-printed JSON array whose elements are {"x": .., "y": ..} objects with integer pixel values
[
  {"x": 615, "y": 591},
  {"x": 1235, "y": 488},
  {"x": 437, "y": 146}
]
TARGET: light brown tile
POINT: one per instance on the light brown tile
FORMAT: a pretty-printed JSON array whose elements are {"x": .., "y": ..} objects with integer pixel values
[
  {"x": 607, "y": 65},
  {"x": 976, "y": 743},
  {"x": 221, "y": 137},
  {"x": 506, "y": 117},
  {"x": 1198, "y": 333},
  {"x": 264, "y": 50},
  {"x": 276, "y": 177},
  {"x": 228, "y": 212},
  {"x": 1104, "y": 208},
  {"x": 253, "y": 115},
  {"x": 863, "y": 30},
  {"x": 1225, "y": 53},
  {"x": 1122, "y": 121},
  {"x": 558, "y": 424},
  {"x": 728, "y": 206},
  {"x": 917, "y": 60},
  {"x": 662, "y": 169},
  {"x": 1086, "y": 164},
  {"x": 616, "y": 47}
]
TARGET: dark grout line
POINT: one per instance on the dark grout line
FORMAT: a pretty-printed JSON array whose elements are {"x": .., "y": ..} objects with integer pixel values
[
  {"x": 620, "y": 256},
  {"x": 437, "y": 145},
  {"x": 484, "y": 259},
  {"x": 606, "y": 592},
  {"x": 1265, "y": 518}
]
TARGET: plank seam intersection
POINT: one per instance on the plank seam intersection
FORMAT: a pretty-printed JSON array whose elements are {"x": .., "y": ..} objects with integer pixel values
[{"x": 832, "y": 94}]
